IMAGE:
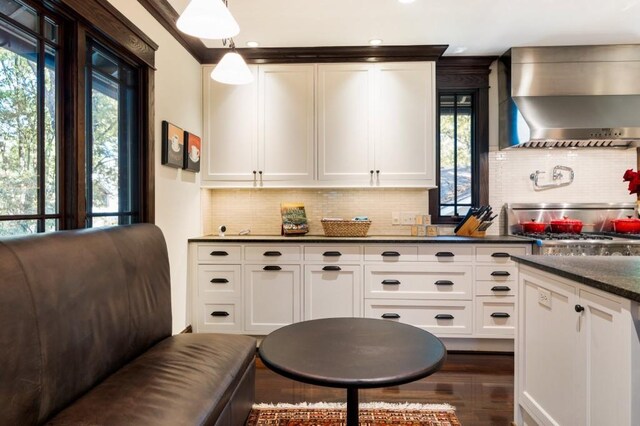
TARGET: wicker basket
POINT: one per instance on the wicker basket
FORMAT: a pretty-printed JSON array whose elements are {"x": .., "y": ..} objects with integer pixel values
[{"x": 345, "y": 228}]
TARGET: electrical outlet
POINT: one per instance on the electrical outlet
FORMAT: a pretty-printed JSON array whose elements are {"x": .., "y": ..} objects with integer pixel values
[
  {"x": 395, "y": 218},
  {"x": 408, "y": 218},
  {"x": 544, "y": 297}
]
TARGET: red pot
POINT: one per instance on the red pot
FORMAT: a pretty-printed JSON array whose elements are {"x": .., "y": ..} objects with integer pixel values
[
  {"x": 533, "y": 227},
  {"x": 629, "y": 225},
  {"x": 566, "y": 226}
]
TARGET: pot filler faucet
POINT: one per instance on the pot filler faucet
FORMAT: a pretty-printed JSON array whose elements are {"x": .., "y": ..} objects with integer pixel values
[{"x": 557, "y": 176}]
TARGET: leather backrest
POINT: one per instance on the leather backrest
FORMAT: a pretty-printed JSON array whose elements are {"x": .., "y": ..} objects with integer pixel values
[{"x": 75, "y": 306}]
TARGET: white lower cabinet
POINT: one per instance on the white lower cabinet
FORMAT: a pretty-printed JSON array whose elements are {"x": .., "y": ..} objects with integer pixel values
[
  {"x": 576, "y": 347},
  {"x": 452, "y": 290},
  {"x": 272, "y": 297},
  {"x": 332, "y": 291}
]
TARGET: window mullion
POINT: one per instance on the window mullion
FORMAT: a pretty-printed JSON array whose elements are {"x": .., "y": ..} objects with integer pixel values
[
  {"x": 40, "y": 94},
  {"x": 88, "y": 158},
  {"x": 455, "y": 154}
]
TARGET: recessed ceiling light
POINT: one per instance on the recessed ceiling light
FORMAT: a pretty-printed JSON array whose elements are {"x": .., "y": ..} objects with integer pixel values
[
  {"x": 406, "y": 1},
  {"x": 253, "y": 44},
  {"x": 375, "y": 42},
  {"x": 459, "y": 49}
]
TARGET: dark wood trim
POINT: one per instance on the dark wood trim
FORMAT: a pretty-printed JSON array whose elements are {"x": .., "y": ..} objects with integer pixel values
[
  {"x": 148, "y": 190},
  {"x": 466, "y": 74},
  {"x": 112, "y": 24},
  {"x": 167, "y": 16},
  {"x": 187, "y": 330},
  {"x": 281, "y": 55}
]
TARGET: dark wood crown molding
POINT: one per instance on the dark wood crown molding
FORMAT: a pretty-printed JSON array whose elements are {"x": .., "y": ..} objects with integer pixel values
[
  {"x": 464, "y": 71},
  {"x": 292, "y": 55},
  {"x": 167, "y": 16}
]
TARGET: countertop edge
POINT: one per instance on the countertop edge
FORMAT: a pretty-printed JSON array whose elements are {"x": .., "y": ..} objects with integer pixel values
[
  {"x": 363, "y": 240},
  {"x": 581, "y": 279}
]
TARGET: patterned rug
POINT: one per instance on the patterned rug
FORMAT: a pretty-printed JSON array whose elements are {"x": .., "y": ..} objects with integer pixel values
[{"x": 371, "y": 414}]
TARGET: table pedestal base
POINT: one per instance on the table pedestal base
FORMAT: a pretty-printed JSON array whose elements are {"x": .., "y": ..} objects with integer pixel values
[{"x": 352, "y": 407}]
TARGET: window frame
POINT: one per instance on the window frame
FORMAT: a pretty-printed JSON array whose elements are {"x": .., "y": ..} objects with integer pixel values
[
  {"x": 465, "y": 75},
  {"x": 79, "y": 21}
]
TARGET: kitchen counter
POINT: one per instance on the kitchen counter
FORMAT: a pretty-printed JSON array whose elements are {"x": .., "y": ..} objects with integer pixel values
[
  {"x": 444, "y": 239},
  {"x": 616, "y": 275}
]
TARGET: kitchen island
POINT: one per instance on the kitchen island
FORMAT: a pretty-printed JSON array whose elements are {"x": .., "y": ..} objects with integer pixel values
[{"x": 578, "y": 341}]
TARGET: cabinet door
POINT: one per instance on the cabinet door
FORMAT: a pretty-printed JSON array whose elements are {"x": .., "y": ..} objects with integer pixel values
[
  {"x": 345, "y": 122},
  {"x": 272, "y": 297},
  {"x": 405, "y": 116},
  {"x": 286, "y": 122},
  {"x": 605, "y": 374},
  {"x": 547, "y": 350},
  {"x": 332, "y": 291},
  {"x": 230, "y": 129}
]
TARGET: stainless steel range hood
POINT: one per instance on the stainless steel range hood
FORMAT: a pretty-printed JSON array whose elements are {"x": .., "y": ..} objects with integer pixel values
[{"x": 570, "y": 96}]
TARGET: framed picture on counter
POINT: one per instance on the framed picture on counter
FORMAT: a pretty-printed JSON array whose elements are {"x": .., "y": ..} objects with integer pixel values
[
  {"x": 192, "y": 152},
  {"x": 172, "y": 145}
]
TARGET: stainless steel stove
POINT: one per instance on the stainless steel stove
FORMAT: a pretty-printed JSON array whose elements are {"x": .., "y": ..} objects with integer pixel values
[{"x": 597, "y": 238}]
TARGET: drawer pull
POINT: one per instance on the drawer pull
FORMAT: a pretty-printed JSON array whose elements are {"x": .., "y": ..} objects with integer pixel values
[
  {"x": 272, "y": 268},
  {"x": 390, "y": 282},
  {"x": 219, "y": 314},
  {"x": 219, "y": 253},
  {"x": 219, "y": 281},
  {"x": 500, "y": 315},
  {"x": 500, "y": 254},
  {"x": 332, "y": 254},
  {"x": 445, "y": 254},
  {"x": 390, "y": 316},
  {"x": 272, "y": 253},
  {"x": 500, "y": 288},
  {"x": 332, "y": 268},
  {"x": 500, "y": 274},
  {"x": 390, "y": 254},
  {"x": 443, "y": 282},
  {"x": 444, "y": 316}
]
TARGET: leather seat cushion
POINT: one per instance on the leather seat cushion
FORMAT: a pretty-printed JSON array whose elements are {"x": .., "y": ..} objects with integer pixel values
[{"x": 184, "y": 380}]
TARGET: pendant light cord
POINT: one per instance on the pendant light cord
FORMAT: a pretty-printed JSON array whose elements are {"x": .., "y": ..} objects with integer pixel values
[{"x": 232, "y": 45}]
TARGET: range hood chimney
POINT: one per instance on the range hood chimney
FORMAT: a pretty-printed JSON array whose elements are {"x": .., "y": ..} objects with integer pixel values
[{"x": 570, "y": 96}]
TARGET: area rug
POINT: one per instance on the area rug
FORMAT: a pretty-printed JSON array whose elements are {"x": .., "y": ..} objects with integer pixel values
[{"x": 371, "y": 414}]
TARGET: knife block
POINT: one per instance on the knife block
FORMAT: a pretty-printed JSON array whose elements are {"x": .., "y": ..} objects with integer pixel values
[{"x": 470, "y": 228}]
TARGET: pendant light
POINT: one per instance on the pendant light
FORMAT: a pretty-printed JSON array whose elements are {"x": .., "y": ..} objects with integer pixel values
[
  {"x": 232, "y": 69},
  {"x": 208, "y": 19}
]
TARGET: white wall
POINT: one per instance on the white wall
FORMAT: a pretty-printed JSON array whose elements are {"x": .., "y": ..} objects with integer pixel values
[
  {"x": 178, "y": 99},
  {"x": 598, "y": 172}
]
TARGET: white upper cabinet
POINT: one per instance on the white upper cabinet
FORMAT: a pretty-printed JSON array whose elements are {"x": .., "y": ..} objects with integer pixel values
[
  {"x": 345, "y": 122},
  {"x": 373, "y": 123},
  {"x": 263, "y": 130},
  {"x": 286, "y": 122},
  {"x": 376, "y": 123},
  {"x": 230, "y": 150},
  {"x": 404, "y": 121}
]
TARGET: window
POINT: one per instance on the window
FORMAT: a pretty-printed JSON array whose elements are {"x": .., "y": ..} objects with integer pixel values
[
  {"x": 111, "y": 149},
  {"x": 462, "y": 141},
  {"x": 75, "y": 111},
  {"x": 29, "y": 136}
]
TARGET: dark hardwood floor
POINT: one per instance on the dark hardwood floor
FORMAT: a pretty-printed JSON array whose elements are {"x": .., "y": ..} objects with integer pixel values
[{"x": 480, "y": 386}]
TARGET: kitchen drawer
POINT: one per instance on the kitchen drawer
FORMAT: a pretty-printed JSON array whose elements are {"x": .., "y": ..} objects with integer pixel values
[
  {"x": 219, "y": 281},
  {"x": 333, "y": 253},
  {"x": 438, "y": 317},
  {"x": 219, "y": 253},
  {"x": 446, "y": 253},
  {"x": 390, "y": 253},
  {"x": 272, "y": 254},
  {"x": 220, "y": 317},
  {"x": 488, "y": 288},
  {"x": 498, "y": 254},
  {"x": 496, "y": 273},
  {"x": 495, "y": 316},
  {"x": 418, "y": 282}
]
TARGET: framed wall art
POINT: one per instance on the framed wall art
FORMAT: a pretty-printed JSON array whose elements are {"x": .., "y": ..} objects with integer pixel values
[
  {"x": 172, "y": 145},
  {"x": 192, "y": 152}
]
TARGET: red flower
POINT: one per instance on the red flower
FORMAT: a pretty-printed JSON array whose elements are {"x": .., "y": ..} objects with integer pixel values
[{"x": 630, "y": 175}]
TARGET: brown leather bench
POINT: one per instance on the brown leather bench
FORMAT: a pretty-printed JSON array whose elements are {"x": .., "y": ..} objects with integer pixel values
[{"x": 85, "y": 337}]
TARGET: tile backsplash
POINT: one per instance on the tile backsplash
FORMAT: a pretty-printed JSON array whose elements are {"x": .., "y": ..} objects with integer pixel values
[{"x": 259, "y": 209}]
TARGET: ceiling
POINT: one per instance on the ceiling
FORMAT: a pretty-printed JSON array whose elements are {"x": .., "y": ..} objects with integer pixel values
[{"x": 469, "y": 27}]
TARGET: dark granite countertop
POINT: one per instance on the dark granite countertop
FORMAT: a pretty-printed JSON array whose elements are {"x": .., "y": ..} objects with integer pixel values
[
  {"x": 613, "y": 274},
  {"x": 306, "y": 239}
]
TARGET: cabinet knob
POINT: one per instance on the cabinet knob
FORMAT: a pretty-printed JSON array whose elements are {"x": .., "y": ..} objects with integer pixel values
[
  {"x": 371, "y": 171},
  {"x": 579, "y": 308},
  {"x": 444, "y": 317},
  {"x": 377, "y": 172},
  {"x": 500, "y": 274},
  {"x": 500, "y": 254},
  {"x": 444, "y": 254},
  {"x": 391, "y": 316},
  {"x": 331, "y": 268},
  {"x": 272, "y": 268}
]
